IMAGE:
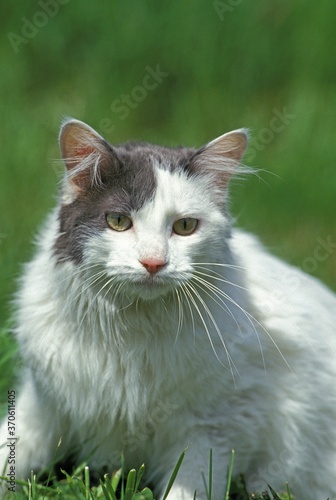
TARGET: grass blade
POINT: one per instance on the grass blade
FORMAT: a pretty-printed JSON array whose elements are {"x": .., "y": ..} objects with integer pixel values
[
  {"x": 208, "y": 486},
  {"x": 54, "y": 460},
  {"x": 110, "y": 485},
  {"x": 229, "y": 479},
  {"x": 145, "y": 494},
  {"x": 288, "y": 492},
  {"x": 130, "y": 484},
  {"x": 122, "y": 494},
  {"x": 274, "y": 493},
  {"x": 87, "y": 483},
  {"x": 174, "y": 474},
  {"x": 116, "y": 477},
  {"x": 107, "y": 488},
  {"x": 139, "y": 477},
  {"x": 210, "y": 475}
]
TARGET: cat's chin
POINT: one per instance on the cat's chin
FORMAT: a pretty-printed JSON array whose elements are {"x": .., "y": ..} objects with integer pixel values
[{"x": 149, "y": 289}]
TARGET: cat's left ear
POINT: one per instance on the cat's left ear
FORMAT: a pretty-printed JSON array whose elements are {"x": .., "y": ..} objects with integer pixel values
[{"x": 221, "y": 157}]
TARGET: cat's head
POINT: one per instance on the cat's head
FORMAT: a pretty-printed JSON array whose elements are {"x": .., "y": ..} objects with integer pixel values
[{"x": 140, "y": 216}]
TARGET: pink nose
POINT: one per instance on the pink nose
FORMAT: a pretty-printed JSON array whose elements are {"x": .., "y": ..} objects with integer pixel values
[{"x": 153, "y": 265}]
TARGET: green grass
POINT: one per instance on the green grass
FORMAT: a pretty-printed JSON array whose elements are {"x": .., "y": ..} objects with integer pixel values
[{"x": 122, "y": 485}]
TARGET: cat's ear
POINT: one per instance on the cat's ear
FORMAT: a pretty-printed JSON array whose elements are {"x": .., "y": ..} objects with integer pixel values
[
  {"x": 221, "y": 157},
  {"x": 231, "y": 145},
  {"x": 85, "y": 153}
]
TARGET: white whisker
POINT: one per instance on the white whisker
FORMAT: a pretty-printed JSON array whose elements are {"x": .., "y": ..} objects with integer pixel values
[
  {"x": 191, "y": 313},
  {"x": 252, "y": 320},
  {"x": 219, "y": 277},
  {"x": 191, "y": 290},
  {"x": 219, "y": 264},
  {"x": 206, "y": 287},
  {"x": 180, "y": 313}
]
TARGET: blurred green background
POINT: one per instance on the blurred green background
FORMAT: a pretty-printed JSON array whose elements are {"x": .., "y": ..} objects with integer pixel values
[{"x": 219, "y": 65}]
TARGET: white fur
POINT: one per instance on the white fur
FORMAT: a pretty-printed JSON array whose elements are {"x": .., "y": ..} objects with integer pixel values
[{"x": 117, "y": 362}]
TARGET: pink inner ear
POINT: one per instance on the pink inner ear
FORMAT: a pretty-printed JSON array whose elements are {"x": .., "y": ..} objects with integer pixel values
[
  {"x": 82, "y": 152},
  {"x": 77, "y": 154}
]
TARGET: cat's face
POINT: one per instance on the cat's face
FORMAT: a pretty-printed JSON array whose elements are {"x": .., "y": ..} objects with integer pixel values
[{"x": 138, "y": 218}]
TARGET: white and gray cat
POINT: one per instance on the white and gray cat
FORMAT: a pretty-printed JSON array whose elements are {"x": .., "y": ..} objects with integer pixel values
[{"x": 148, "y": 325}]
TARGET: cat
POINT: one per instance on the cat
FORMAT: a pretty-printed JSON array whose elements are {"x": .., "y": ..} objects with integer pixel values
[{"x": 148, "y": 325}]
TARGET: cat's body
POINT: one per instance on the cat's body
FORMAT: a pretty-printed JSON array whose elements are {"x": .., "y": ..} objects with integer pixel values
[{"x": 147, "y": 326}]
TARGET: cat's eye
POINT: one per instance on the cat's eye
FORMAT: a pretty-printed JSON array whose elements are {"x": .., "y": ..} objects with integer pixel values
[
  {"x": 118, "y": 222},
  {"x": 185, "y": 226}
]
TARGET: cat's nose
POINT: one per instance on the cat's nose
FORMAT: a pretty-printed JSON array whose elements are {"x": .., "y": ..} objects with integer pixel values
[{"x": 153, "y": 265}]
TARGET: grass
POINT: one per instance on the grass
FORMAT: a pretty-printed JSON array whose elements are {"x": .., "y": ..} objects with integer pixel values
[{"x": 127, "y": 486}]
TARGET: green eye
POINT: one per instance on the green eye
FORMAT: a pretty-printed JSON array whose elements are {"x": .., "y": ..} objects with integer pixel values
[
  {"x": 118, "y": 222},
  {"x": 185, "y": 226}
]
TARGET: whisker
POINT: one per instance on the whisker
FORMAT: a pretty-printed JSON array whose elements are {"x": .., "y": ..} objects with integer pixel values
[
  {"x": 189, "y": 288},
  {"x": 209, "y": 286},
  {"x": 82, "y": 282},
  {"x": 79, "y": 288},
  {"x": 93, "y": 301},
  {"x": 219, "y": 264},
  {"x": 180, "y": 314},
  {"x": 220, "y": 278},
  {"x": 191, "y": 313},
  {"x": 89, "y": 281},
  {"x": 220, "y": 293},
  {"x": 252, "y": 320},
  {"x": 192, "y": 300}
]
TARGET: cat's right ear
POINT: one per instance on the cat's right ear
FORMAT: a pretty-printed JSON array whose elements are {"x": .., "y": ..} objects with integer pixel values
[
  {"x": 220, "y": 160},
  {"x": 222, "y": 155},
  {"x": 86, "y": 155}
]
